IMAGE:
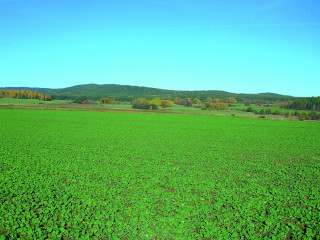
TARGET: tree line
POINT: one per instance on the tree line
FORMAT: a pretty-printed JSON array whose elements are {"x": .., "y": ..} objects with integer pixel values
[
  {"x": 312, "y": 104},
  {"x": 24, "y": 94},
  {"x": 301, "y": 116}
]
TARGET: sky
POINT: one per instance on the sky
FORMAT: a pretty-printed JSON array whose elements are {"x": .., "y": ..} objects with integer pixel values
[{"x": 251, "y": 46}]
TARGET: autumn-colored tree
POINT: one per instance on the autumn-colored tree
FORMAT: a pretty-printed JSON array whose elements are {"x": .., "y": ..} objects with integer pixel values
[
  {"x": 232, "y": 100},
  {"x": 179, "y": 101},
  {"x": 23, "y": 94},
  {"x": 85, "y": 102},
  {"x": 220, "y": 106},
  {"x": 156, "y": 101},
  {"x": 47, "y": 98},
  {"x": 106, "y": 101},
  {"x": 166, "y": 103},
  {"x": 188, "y": 102},
  {"x": 143, "y": 101},
  {"x": 196, "y": 101},
  {"x": 141, "y": 104}
]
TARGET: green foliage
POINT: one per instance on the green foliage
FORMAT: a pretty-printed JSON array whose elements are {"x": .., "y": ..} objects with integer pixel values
[
  {"x": 83, "y": 175},
  {"x": 268, "y": 112},
  {"x": 312, "y": 103},
  {"x": 79, "y": 100},
  {"x": 276, "y": 112},
  {"x": 144, "y": 104}
]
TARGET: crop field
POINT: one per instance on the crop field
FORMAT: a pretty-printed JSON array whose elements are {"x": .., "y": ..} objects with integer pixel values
[{"x": 97, "y": 175}]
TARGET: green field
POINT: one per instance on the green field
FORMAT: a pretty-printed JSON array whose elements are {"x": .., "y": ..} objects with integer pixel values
[{"x": 97, "y": 175}]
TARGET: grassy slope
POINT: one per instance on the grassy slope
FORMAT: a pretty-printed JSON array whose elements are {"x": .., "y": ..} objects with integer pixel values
[{"x": 77, "y": 174}]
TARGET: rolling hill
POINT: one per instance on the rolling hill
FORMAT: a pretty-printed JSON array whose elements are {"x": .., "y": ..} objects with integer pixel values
[{"x": 127, "y": 92}]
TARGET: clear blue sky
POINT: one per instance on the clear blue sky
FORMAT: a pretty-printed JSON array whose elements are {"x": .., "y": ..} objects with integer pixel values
[{"x": 250, "y": 46}]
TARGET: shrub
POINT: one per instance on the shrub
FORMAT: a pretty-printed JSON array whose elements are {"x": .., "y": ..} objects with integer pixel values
[
  {"x": 197, "y": 105},
  {"x": 314, "y": 116},
  {"x": 138, "y": 105},
  {"x": 79, "y": 100},
  {"x": 203, "y": 107},
  {"x": 276, "y": 112},
  {"x": 261, "y": 112},
  {"x": 268, "y": 112}
]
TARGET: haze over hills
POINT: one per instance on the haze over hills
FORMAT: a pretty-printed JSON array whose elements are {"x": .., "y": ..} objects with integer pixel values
[{"x": 127, "y": 92}]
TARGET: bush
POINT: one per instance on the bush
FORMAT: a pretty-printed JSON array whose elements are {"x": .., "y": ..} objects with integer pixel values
[
  {"x": 149, "y": 106},
  {"x": 203, "y": 107},
  {"x": 277, "y": 112},
  {"x": 268, "y": 112},
  {"x": 197, "y": 106},
  {"x": 261, "y": 112},
  {"x": 249, "y": 109},
  {"x": 314, "y": 116},
  {"x": 264, "y": 117},
  {"x": 78, "y": 100}
]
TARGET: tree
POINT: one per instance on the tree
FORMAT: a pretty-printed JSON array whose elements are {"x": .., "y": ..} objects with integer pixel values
[
  {"x": 156, "y": 101},
  {"x": 276, "y": 112},
  {"x": 140, "y": 104},
  {"x": 268, "y": 112},
  {"x": 166, "y": 103},
  {"x": 196, "y": 101},
  {"x": 232, "y": 100},
  {"x": 78, "y": 100},
  {"x": 47, "y": 98},
  {"x": 188, "y": 102},
  {"x": 143, "y": 101},
  {"x": 106, "y": 101}
]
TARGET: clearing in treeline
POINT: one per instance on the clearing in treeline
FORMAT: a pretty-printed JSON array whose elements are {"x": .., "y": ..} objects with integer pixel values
[{"x": 76, "y": 175}]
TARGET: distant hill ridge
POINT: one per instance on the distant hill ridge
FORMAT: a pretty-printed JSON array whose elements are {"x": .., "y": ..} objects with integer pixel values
[{"x": 128, "y": 92}]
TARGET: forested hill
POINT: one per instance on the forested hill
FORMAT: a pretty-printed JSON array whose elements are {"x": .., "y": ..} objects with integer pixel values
[{"x": 126, "y": 92}]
